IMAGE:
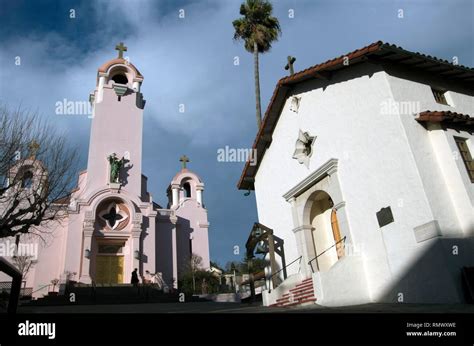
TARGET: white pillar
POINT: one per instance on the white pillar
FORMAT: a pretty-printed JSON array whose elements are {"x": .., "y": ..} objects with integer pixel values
[
  {"x": 305, "y": 246},
  {"x": 199, "y": 196},
  {"x": 136, "y": 86},
  {"x": 100, "y": 89},
  {"x": 84, "y": 276},
  {"x": 175, "y": 190},
  {"x": 174, "y": 252}
]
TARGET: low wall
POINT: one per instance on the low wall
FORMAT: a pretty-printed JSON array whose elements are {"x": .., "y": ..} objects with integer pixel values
[{"x": 344, "y": 284}]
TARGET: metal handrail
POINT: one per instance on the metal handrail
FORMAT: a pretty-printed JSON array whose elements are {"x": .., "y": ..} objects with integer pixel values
[
  {"x": 39, "y": 289},
  {"x": 299, "y": 258},
  {"x": 322, "y": 253}
]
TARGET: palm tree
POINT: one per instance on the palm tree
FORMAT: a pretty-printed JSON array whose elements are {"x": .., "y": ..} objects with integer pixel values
[{"x": 258, "y": 29}]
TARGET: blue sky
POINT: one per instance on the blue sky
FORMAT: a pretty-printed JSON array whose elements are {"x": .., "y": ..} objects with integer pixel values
[{"x": 190, "y": 61}]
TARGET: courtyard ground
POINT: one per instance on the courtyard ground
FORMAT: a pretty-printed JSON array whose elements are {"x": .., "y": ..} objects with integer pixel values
[{"x": 213, "y": 307}]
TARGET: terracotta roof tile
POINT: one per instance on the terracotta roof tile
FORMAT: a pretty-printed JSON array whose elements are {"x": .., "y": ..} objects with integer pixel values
[{"x": 447, "y": 118}]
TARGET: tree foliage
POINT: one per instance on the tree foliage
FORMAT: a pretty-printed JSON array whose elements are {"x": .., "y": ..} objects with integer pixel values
[
  {"x": 258, "y": 265},
  {"x": 257, "y": 25},
  {"x": 37, "y": 168}
]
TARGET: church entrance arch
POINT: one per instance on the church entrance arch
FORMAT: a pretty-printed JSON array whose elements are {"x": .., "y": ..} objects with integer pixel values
[
  {"x": 327, "y": 240},
  {"x": 111, "y": 241}
]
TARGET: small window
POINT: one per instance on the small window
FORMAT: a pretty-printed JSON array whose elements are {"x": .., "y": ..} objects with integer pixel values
[
  {"x": 465, "y": 156},
  {"x": 304, "y": 147},
  {"x": 440, "y": 96},
  {"x": 295, "y": 104},
  {"x": 187, "y": 190},
  {"x": 120, "y": 79}
]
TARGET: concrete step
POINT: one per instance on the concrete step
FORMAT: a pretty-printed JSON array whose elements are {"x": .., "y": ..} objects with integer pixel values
[
  {"x": 302, "y": 293},
  {"x": 295, "y": 299},
  {"x": 302, "y": 288},
  {"x": 302, "y": 302},
  {"x": 296, "y": 296}
]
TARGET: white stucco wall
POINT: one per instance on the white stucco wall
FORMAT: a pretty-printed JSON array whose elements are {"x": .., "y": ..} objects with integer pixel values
[
  {"x": 447, "y": 186},
  {"x": 377, "y": 168}
]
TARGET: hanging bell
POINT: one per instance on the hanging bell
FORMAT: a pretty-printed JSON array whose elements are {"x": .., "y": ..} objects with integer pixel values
[{"x": 262, "y": 248}]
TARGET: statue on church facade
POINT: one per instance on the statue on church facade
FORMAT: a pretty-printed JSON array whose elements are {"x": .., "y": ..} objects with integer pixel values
[{"x": 115, "y": 167}]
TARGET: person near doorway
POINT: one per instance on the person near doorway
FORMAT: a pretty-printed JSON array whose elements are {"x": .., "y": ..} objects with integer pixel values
[
  {"x": 135, "y": 280},
  {"x": 147, "y": 277}
]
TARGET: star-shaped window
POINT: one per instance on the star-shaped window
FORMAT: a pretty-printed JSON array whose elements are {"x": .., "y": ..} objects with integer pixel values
[
  {"x": 304, "y": 147},
  {"x": 113, "y": 216}
]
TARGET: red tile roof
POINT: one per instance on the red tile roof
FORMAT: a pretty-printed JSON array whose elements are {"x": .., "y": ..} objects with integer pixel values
[
  {"x": 376, "y": 52},
  {"x": 117, "y": 61},
  {"x": 446, "y": 117}
]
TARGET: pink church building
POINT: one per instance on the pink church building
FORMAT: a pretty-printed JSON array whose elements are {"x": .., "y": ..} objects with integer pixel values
[{"x": 113, "y": 225}]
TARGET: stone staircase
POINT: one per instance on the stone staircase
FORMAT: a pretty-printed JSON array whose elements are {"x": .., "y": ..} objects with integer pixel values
[{"x": 301, "y": 294}]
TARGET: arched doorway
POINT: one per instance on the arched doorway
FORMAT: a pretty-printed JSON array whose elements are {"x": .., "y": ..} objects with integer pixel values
[
  {"x": 327, "y": 237},
  {"x": 109, "y": 257}
]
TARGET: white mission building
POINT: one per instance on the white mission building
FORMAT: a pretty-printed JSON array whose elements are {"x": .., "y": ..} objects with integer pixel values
[{"x": 371, "y": 151}]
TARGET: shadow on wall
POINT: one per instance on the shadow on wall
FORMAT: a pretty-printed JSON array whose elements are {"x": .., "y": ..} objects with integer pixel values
[
  {"x": 163, "y": 257},
  {"x": 183, "y": 242},
  {"x": 436, "y": 276},
  {"x": 143, "y": 256},
  {"x": 164, "y": 252}
]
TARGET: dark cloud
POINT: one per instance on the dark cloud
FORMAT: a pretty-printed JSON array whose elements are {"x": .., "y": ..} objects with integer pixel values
[{"x": 190, "y": 61}]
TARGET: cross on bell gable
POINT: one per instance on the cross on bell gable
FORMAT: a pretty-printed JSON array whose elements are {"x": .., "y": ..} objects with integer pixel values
[
  {"x": 184, "y": 159},
  {"x": 121, "y": 48}
]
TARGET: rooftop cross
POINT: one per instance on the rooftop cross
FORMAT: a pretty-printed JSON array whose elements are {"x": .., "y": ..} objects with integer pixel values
[
  {"x": 184, "y": 159},
  {"x": 289, "y": 65},
  {"x": 33, "y": 148},
  {"x": 121, "y": 48}
]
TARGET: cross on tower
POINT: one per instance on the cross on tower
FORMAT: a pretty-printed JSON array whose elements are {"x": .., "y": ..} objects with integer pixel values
[
  {"x": 289, "y": 65},
  {"x": 184, "y": 159},
  {"x": 121, "y": 48},
  {"x": 33, "y": 148}
]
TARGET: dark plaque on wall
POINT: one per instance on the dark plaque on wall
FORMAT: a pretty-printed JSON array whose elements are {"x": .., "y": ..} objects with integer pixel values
[{"x": 384, "y": 216}]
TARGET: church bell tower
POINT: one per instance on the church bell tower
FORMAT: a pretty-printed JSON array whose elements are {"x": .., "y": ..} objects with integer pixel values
[{"x": 115, "y": 148}]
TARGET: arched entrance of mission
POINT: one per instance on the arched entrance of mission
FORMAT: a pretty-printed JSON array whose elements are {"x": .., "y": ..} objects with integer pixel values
[{"x": 327, "y": 239}]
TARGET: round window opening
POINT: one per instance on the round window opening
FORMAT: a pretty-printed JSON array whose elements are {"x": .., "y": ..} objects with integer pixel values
[{"x": 113, "y": 215}]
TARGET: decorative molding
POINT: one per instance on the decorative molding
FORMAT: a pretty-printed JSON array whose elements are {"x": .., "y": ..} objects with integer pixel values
[
  {"x": 303, "y": 228},
  {"x": 427, "y": 231},
  {"x": 203, "y": 224},
  {"x": 114, "y": 186},
  {"x": 340, "y": 205},
  {"x": 137, "y": 221},
  {"x": 327, "y": 169},
  {"x": 88, "y": 224},
  {"x": 136, "y": 232},
  {"x": 88, "y": 232}
]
